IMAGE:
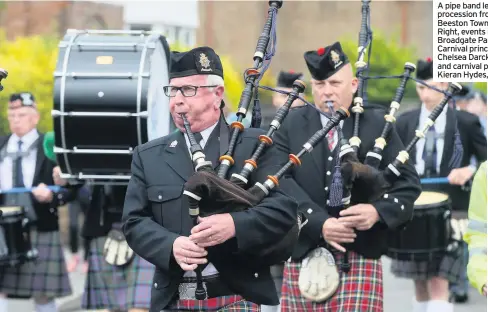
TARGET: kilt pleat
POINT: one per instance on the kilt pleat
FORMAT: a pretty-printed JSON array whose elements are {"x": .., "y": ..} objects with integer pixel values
[
  {"x": 361, "y": 289},
  {"x": 46, "y": 276},
  {"x": 222, "y": 304},
  {"x": 116, "y": 288},
  {"x": 448, "y": 266}
]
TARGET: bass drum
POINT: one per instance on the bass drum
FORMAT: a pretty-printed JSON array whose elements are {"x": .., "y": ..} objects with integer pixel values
[{"x": 108, "y": 98}]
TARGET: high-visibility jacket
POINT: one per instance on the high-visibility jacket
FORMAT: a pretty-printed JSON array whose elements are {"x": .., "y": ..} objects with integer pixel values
[{"x": 475, "y": 235}]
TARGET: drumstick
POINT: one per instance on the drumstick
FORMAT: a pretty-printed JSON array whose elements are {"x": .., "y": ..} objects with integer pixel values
[
  {"x": 54, "y": 188},
  {"x": 434, "y": 181}
]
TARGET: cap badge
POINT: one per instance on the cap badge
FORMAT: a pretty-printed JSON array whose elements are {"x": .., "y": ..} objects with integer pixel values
[
  {"x": 26, "y": 99},
  {"x": 335, "y": 58},
  {"x": 205, "y": 62}
]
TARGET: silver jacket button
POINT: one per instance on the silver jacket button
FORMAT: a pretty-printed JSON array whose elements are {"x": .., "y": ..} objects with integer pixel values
[{"x": 256, "y": 275}]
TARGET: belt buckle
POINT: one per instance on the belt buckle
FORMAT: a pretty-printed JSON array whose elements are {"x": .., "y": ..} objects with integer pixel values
[{"x": 187, "y": 290}]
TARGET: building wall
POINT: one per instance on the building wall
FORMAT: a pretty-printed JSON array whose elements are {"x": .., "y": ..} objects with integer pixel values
[
  {"x": 175, "y": 19},
  {"x": 233, "y": 27},
  {"x": 24, "y": 18}
]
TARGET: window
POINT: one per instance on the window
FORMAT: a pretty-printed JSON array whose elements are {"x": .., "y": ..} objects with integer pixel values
[{"x": 143, "y": 27}]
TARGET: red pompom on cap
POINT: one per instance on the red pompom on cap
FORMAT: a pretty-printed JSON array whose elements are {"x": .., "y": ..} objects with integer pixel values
[
  {"x": 291, "y": 71},
  {"x": 321, "y": 51},
  {"x": 429, "y": 59}
]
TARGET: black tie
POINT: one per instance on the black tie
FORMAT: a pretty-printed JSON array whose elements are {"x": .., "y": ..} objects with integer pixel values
[
  {"x": 430, "y": 153},
  {"x": 198, "y": 137},
  {"x": 19, "y": 177}
]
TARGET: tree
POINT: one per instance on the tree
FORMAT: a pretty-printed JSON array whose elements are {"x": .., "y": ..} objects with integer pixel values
[
  {"x": 30, "y": 62},
  {"x": 388, "y": 58}
]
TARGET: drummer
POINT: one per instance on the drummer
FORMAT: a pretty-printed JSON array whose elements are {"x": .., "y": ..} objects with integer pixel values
[
  {"x": 431, "y": 159},
  {"x": 24, "y": 165}
]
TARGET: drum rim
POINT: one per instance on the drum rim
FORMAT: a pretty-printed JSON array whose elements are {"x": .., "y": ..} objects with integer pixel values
[
  {"x": 14, "y": 213},
  {"x": 447, "y": 201}
]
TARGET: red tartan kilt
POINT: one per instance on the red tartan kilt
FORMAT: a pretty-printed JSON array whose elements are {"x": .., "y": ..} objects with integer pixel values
[
  {"x": 227, "y": 303},
  {"x": 359, "y": 290}
]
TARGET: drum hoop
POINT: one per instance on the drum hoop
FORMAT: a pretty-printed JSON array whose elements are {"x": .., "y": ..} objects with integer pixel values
[
  {"x": 443, "y": 202},
  {"x": 19, "y": 211}
]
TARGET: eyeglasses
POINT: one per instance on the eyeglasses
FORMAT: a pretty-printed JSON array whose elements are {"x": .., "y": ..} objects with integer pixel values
[{"x": 187, "y": 91}]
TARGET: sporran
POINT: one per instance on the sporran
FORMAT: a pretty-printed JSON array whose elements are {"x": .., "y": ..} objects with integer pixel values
[
  {"x": 319, "y": 277},
  {"x": 116, "y": 251}
]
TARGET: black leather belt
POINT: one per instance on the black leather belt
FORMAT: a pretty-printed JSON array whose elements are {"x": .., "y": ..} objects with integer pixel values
[{"x": 213, "y": 284}]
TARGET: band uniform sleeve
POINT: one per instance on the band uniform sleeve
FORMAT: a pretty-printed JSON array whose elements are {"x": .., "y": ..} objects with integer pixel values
[
  {"x": 475, "y": 235},
  {"x": 316, "y": 215},
  {"x": 266, "y": 223},
  {"x": 395, "y": 207},
  {"x": 66, "y": 194},
  {"x": 146, "y": 237}
]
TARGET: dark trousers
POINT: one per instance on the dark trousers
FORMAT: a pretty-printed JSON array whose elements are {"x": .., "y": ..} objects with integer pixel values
[{"x": 76, "y": 208}]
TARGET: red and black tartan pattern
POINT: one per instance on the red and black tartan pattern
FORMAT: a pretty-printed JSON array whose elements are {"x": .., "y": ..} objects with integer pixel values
[
  {"x": 360, "y": 290},
  {"x": 46, "y": 276},
  {"x": 233, "y": 303}
]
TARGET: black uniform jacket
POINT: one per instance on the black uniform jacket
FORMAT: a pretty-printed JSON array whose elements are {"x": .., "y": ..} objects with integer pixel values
[
  {"x": 315, "y": 173},
  {"x": 156, "y": 213},
  {"x": 103, "y": 210},
  {"x": 47, "y": 213},
  {"x": 472, "y": 139}
]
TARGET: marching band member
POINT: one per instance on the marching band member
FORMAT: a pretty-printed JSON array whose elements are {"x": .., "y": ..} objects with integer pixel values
[
  {"x": 431, "y": 159},
  {"x": 156, "y": 218},
  {"x": 360, "y": 229},
  {"x": 475, "y": 236},
  {"x": 23, "y": 164},
  {"x": 285, "y": 83},
  {"x": 114, "y": 286}
]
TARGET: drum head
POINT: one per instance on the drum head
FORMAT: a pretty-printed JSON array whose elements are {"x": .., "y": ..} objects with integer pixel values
[
  {"x": 159, "y": 122},
  {"x": 430, "y": 199},
  {"x": 11, "y": 210}
]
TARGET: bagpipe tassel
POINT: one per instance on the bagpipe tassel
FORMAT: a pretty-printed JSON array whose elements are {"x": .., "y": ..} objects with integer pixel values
[
  {"x": 336, "y": 187},
  {"x": 457, "y": 154},
  {"x": 256, "y": 111}
]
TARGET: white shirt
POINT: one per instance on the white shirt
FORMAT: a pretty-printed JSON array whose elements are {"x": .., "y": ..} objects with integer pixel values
[
  {"x": 324, "y": 120},
  {"x": 205, "y": 135},
  {"x": 209, "y": 269},
  {"x": 28, "y": 162},
  {"x": 440, "y": 127}
]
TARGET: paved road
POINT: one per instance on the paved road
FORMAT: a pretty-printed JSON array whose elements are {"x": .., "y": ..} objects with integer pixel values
[{"x": 398, "y": 296}]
